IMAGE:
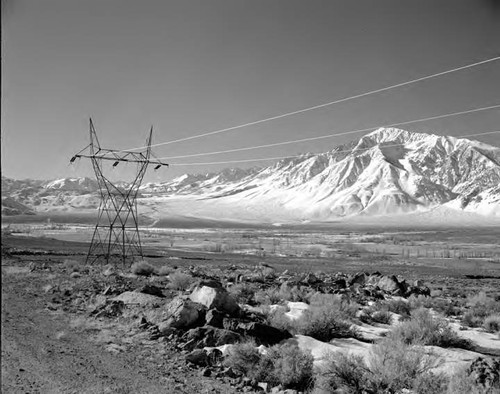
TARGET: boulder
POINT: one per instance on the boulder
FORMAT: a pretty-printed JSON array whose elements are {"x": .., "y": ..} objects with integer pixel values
[
  {"x": 358, "y": 279},
  {"x": 390, "y": 284},
  {"x": 151, "y": 290},
  {"x": 207, "y": 336},
  {"x": 262, "y": 333},
  {"x": 198, "y": 357},
  {"x": 215, "y": 298},
  {"x": 178, "y": 313},
  {"x": 111, "y": 308},
  {"x": 340, "y": 283},
  {"x": 413, "y": 290},
  {"x": 486, "y": 373},
  {"x": 311, "y": 279},
  {"x": 214, "y": 318},
  {"x": 137, "y": 298}
]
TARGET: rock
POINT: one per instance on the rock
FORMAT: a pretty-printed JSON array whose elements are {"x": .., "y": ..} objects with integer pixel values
[
  {"x": 114, "y": 348},
  {"x": 214, "y": 355},
  {"x": 358, "y": 279},
  {"x": 109, "y": 271},
  {"x": 207, "y": 336},
  {"x": 229, "y": 373},
  {"x": 311, "y": 279},
  {"x": 419, "y": 283},
  {"x": 111, "y": 308},
  {"x": 206, "y": 372},
  {"x": 391, "y": 285},
  {"x": 198, "y": 357},
  {"x": 151, "y": 290},
  {"x": 215, "y": 298},
  {"x": 136, "y": 298},
  {"x": 264, "y": 386},
  {"x": 485, "y": 372},
  {"x": 214, "y": 318},
  {"x": 178, "y": 313},
  {"x": 263, "y": 333},
  {"x": 75, "y": 275},
  {"x": 340, "y": 283},
  {"x": 412, "y": 290}
]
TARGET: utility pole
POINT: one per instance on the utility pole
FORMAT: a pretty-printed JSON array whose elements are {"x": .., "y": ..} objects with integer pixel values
[{"x": 117, "y": 230}]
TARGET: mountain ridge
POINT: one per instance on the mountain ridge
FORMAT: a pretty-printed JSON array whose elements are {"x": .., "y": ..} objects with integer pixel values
[{"x": 385, "y": 172}]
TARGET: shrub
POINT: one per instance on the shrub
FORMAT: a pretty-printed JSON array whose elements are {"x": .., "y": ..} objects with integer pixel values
[
  {"x": 395, "y": 365},
  {"x": 180, "y": 281},
  {"x": 243, "y": 292},
  {"x": 291, "y": 367},
  {"x": 244, "y": 359},
  {"x": 278, "y": 319},
  {"x": 430, "y": 383},
  {"x": 268, "y": 296},
  {"x": 480, "y": 307},
  {"x": 392, "y": 366},
  {"x": 492, "y": 323},
  {"x": 398, "y": 306},
  {"x": 71, "y": 265},
  {"x": 383, "y": 317},
  {"x": 164, "y": 270},
  {"x": 324, "y": 323},
  {"x": 463, "y": 382},
  {"x": 294, "y": 294},
  {"x": 345, "y": 308},
  {"x": 423, "y": 329},
  {"x": 445, "y": 306},
  {"x": 142, "y": 268},
  {"x": 283, "y": 364},
  {"x": 345, "y": 372},
  {"x": 376, "y": 313}
]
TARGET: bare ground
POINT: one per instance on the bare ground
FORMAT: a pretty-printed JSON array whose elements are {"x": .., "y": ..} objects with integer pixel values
[{"x": 50, "y": 346}]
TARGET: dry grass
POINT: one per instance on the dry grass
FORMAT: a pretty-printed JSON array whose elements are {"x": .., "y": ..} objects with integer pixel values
[
  {"x": 492, "y": 323},
  {"x": 142, "y": 268},
  {"x": 180, "y": 281},
  {"x": 284, "y": 365},
  {"x": 480, "y": 307},
  {"x": 424, "y": 329}
]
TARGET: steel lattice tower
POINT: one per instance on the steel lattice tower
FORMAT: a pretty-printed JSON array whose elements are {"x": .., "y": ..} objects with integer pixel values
[{"x": 117, "y": 230}]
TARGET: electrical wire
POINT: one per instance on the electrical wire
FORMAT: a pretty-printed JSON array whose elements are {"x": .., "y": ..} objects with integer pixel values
[
  {"x": 324, "y": 104},
  {"x": 331, "y": 135},
  {"x": 302, "y": 155}
]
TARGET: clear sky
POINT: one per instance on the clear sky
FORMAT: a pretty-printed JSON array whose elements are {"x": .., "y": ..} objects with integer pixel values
[{"x": 193, "y": 66}]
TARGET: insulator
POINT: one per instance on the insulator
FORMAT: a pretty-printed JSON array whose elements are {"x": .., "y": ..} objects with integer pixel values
[
  {"x": 115, "y": 163},
  {"x": 72, "y": 159},
  {"x": 158, "y": 166}
]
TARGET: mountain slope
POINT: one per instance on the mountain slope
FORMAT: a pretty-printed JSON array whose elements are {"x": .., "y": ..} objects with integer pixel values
[{"x": 389, "y": 171}]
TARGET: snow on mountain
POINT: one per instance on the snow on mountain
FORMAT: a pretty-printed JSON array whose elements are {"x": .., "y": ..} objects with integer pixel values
[
  {"x": 386, "y": 172},
  {"x": 73, "y": 185}
]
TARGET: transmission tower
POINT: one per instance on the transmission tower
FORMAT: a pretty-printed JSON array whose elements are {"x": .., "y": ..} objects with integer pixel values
[{"x": 117, "y": 230}]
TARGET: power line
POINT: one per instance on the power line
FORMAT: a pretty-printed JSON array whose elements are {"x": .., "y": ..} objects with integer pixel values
[
  {"x": 331, "y": 135},
  {"x": 326, "y": 104},
  {"x": 296, "y": 156}
]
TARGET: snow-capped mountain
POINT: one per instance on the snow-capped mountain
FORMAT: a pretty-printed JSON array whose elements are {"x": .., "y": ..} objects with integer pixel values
[
  {"x": 80, "y": 185},
  {"x": 388, "y": 171}
]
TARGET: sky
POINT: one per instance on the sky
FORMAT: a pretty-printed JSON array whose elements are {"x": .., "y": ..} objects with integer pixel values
[{"x": 188, "y": 67}]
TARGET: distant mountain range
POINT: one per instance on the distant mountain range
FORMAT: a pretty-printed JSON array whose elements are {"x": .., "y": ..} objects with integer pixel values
[{"x": 387, "y": 172}]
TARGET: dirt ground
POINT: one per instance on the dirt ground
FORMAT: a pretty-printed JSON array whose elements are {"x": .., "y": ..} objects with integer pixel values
[{"x": 51, "y": 345}]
